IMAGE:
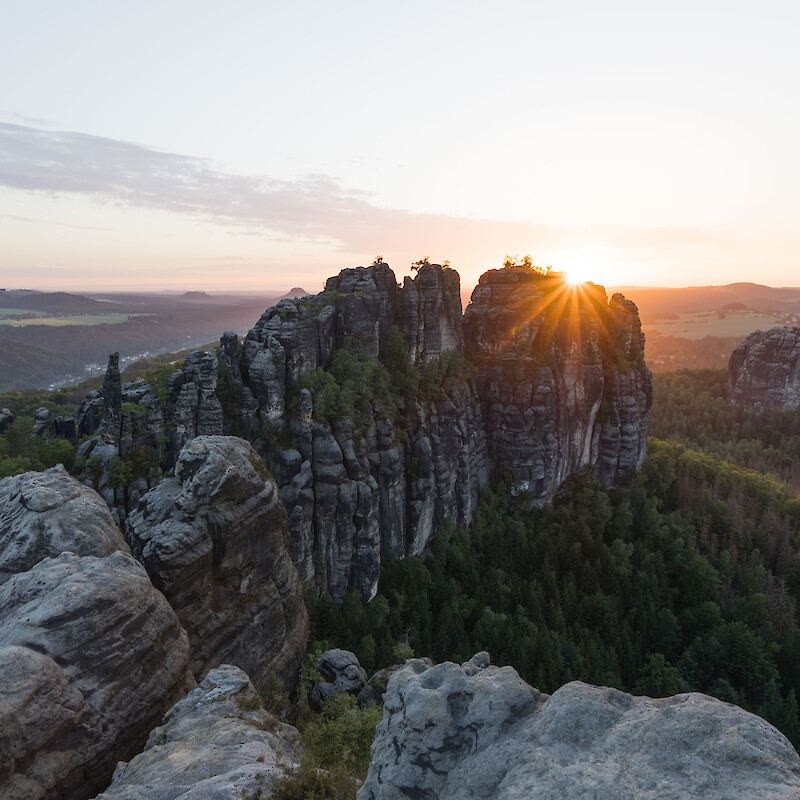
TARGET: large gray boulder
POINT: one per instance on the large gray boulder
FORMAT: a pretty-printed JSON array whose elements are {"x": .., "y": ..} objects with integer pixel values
[
  {"x": 479, "y": 731},
  {"x": 43, "y": 514},
  {"x": 91, "y": 656},
  {"x": 342, "y": 672},
  {"x": 217, "y": 743},
  {"x": 214, "y": 539},
  {"x": 764, "y": 371}
]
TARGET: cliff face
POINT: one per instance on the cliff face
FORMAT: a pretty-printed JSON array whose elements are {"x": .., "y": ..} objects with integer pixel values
[
  {"x": 561, "y": 378},
  {"x": 213, "y": 539},
  {"x": 764, "y": 371},
  {"x": 373, "y": 453}
]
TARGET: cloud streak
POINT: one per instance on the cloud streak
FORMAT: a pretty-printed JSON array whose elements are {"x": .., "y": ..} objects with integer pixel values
[{"x": 314, "y": 207}]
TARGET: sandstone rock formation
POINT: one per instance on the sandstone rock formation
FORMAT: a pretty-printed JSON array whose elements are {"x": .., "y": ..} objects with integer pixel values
[
  {"x": 91, "y": 656},
  {"x": 561, "y": 378},
  {"x": 143, "y": 428},
  {"x": 214, "y": 539},
  {"x": 43, "y": 514},
  {"x": 6, "y": 418},
  {"x": 53, "y": 426},
  {"x": 764, "y": 371},
  {"x": 479, "y": 732},
  {"x": 217, "y": 742},
  {"x": 342, "y": 672},
  {"x": 553, "y": 383}
]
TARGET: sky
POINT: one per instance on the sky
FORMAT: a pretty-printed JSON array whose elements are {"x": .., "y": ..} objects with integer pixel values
[{"x": 243, "y": 145}]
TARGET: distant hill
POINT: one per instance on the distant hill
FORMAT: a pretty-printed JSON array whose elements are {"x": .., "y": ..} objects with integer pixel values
[
  {"x": 655, "y": 303},
  {"x": 53, "y": 302},
  {"x": 38, "y": 355},
  {"x": 23, "y": 366},
  {"x": 292, "y": 293}
]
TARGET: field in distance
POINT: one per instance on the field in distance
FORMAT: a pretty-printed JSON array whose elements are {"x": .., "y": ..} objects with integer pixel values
[
  {"x": 738, "y": 323},
  {"x": 73, "y": 319}
]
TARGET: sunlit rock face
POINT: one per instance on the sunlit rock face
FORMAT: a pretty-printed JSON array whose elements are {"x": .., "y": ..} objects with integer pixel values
[
  {"x": 478, "y": 732},
  {"x": 764, "y": 371},
  {"x": 561, "y": 386},
  {"x": 561, "y": 378}
]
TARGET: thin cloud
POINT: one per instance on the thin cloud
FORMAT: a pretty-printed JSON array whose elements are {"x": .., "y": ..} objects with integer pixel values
[
  {"x": 54, "y": 222},
  {"x": 313, "y": 207}
]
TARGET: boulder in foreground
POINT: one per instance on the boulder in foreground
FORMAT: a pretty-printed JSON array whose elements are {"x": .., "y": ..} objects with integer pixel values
[
  {"x": 91, "y": 656},
  {"x": 480, "y": 732},
  {"x": 217, "y": 743},
  {"x": 43, "y": 514}
]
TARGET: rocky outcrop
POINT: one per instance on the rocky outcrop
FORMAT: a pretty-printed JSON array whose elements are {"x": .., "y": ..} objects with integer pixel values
[
  {"x": 214, "y": 539},
  {"x": 91, "y": 656},
  {"x": 43, "y": 514},
  {"x": 53, "y": 425},
  {"x": 352, "y": 494},
  {"x": 6, "y": 418},
  {"x": 217, "y": 742},
  {"x": 342, "y": 674},
  {"x": 764, "y": 371},
  {"x": 539, "y": 377},
  {"x": 140, "y": 429},
  {"x": 478, "y": 732},
  {"x": 561, "y": 378}
]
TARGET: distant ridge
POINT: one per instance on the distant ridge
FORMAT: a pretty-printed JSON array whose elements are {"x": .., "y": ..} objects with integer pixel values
[{"x": 654, "y": 302}]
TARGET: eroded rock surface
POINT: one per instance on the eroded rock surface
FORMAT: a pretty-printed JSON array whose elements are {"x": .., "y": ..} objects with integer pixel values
[
  {"x": 561, "y": 378},
  {"x": 91, "y": 656},
  {"x": 764, "y": 371},
  {"x": 214, "y": 539},
  {"x": 537, "y": 376},
  {"x": 479, "y": 732},
  {"x": 217, "y": 743},
  {"x": 47, "y": 513},
  {"x": 342, "y": 672}
]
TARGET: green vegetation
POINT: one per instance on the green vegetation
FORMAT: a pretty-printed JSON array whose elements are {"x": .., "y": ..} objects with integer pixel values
[
  {"x": 337, "y": 741},
  {"x": 21, "y": 451},
  {"x": 690, "y": 407},
  {"x": 526, "y": 262},
  {"x": 687, "y": 580},
  {"x": 354, "y": 384}
]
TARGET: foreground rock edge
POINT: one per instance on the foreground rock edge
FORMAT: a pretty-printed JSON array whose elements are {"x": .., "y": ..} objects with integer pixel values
[{"x": 479, "y": 731}]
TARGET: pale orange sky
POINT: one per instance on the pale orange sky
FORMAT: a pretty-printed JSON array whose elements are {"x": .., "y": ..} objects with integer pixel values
[{"x": 196, "y": 145}]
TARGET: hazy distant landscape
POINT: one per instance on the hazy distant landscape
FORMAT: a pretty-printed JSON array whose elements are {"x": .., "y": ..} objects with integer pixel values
[{"x": 54, "y": 338}]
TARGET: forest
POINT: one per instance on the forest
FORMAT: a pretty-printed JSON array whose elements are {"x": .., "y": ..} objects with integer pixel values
[{"x": 685, "y": 580}]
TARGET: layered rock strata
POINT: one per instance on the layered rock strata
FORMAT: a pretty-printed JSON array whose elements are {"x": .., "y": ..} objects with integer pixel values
[
  {"x": 214, "y": 539},
  {"x": 217, "y": 742},
  {"x": 43, "y": 514},
  {"x": 553, "y": 383},
  {"x": 91, "y": 656},
  {"x": 764, "y": 371},
  {"x": 478, "y": 732},
  {"x": 561, "y": 378}
]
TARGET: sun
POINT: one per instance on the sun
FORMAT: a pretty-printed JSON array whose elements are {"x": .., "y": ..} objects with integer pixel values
[{"x": 577, "y": 274}]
